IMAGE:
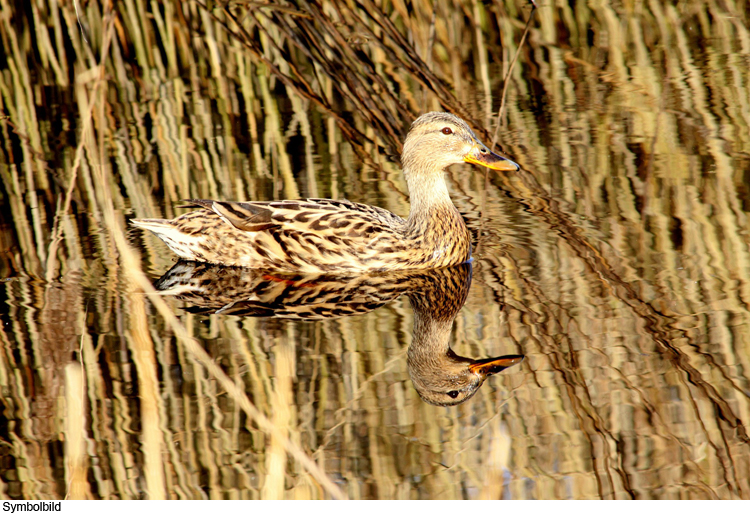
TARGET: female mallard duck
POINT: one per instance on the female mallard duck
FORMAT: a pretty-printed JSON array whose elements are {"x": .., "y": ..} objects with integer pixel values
[{"x": 329, "y": 236}]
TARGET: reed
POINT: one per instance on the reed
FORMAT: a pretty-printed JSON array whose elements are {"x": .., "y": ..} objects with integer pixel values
[{"x": 617, "y": 261}]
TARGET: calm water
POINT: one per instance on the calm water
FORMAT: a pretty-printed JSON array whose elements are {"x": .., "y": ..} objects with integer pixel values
[{"x": 617, "y": 263}]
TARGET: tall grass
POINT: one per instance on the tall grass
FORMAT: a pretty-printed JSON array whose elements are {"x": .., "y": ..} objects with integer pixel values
[{"x": 617, "y": 261}]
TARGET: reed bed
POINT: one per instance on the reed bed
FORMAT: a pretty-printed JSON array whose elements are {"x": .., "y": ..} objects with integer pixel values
[{"x": 617, "y": 261}]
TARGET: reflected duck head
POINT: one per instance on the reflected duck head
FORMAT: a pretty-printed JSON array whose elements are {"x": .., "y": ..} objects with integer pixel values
[
  {"x": 449, "y": 379},
  {"x": 439, "y": 375}
]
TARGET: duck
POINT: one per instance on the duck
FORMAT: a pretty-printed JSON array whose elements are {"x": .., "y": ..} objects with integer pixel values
[
  {"x": 439, "y": 375},
  {"x": 318, "y": 235}
]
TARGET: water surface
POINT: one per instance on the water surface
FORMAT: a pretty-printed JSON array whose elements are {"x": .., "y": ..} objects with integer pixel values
[{"x": 616, "y": 262}]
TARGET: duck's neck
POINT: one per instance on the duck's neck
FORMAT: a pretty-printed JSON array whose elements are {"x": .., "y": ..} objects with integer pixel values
[
  {"x": 429, "y": 199},
  {"x": 434, "y": 227}
]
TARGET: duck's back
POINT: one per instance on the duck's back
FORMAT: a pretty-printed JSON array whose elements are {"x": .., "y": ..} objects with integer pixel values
[{"x": 312, "y": 235}]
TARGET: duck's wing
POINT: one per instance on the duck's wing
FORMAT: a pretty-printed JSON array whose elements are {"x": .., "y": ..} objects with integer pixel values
[
  {"x": 313, "y": 235},
  {"x": 308, "y": 236},
  {"x": 315, "y": 216}
]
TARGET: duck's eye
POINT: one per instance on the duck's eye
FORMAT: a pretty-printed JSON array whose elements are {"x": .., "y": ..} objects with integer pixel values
[
  {"x": 453, "y": 394},
  {"x": 447, "y": 131}
]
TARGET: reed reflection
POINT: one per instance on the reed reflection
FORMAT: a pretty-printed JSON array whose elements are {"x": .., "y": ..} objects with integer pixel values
[{"x": 439, "y": 375}]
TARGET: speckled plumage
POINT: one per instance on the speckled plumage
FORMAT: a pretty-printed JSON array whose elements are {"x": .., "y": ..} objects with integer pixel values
[
  {"x": 330, "y": 236},
  {"x": 440, "y": 376}
]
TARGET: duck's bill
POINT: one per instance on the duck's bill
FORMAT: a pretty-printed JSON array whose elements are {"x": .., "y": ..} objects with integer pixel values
[
  {"x": 490, "y": 159},
  {"x": 486, "y": 367}
]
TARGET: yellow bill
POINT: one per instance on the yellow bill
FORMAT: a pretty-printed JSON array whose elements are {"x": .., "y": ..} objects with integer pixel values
[
  {"x": 485, "y": 367},
  {"x": 481, "y": 155}
]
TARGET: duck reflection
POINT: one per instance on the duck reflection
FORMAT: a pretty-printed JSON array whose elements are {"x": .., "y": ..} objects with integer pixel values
[{"x": 440, "y": 376}]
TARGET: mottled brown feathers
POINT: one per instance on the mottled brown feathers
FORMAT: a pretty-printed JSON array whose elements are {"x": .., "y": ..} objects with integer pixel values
[{"x": 330, "y": 236}]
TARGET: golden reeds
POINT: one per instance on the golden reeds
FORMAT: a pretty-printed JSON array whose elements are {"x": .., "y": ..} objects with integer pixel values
[{"x": 617, "y": 261}]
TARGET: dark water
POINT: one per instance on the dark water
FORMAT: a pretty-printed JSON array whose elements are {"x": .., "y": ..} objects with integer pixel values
[{"x": 616, "y": 263}]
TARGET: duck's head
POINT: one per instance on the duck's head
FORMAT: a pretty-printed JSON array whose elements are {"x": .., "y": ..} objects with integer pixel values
[
  {"x": 438, "y": 139},
  {"x": 449, "y": 379}
]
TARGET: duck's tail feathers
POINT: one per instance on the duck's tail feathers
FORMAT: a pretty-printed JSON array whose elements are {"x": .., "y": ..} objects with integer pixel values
[
  {"x": 157, "y": 225},
  {"x": 185, "y": 245}
]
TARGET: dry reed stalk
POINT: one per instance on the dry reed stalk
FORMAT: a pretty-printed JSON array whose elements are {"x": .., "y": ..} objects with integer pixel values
[
  {"x": 76, "y": 455},
  {"x": 145, "y": 362},
  {"x": 276, "y": 456},
  {"x": 50, "y": 264}
]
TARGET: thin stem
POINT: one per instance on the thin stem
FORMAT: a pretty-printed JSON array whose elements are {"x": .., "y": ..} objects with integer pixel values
[{"x": 510, "y": 71}]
